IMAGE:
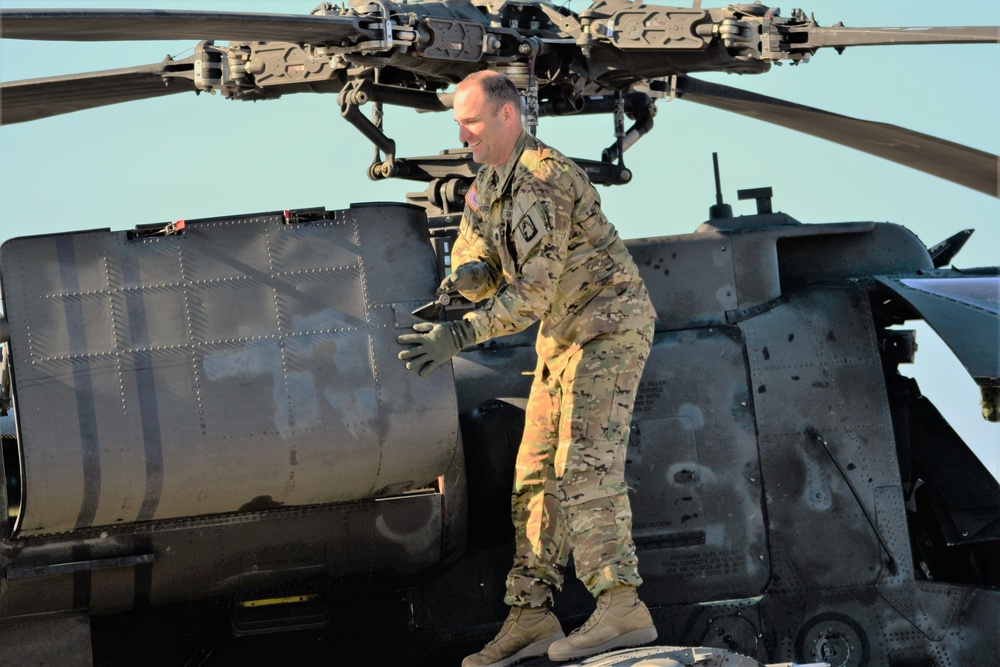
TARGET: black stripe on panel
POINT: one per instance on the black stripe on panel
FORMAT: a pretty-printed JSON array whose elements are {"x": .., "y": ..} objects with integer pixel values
[
  {"x": 149, "y": 411},
  {"x": 83, "y": 385}
]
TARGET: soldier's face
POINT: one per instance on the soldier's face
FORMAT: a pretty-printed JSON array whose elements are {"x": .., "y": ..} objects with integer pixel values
[{"x": 490, "y": 133}]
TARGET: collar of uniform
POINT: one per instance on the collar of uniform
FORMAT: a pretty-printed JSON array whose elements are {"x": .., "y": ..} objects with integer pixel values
[{"x": 504, "y": 173}]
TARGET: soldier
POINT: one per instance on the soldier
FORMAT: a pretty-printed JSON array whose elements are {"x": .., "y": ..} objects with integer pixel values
[{"x": 534, "y": 243}]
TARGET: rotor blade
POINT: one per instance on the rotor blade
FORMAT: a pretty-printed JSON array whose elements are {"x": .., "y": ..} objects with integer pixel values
[
  {"x": 838, "y": 36},
  {"x": 960, "y": 164},
  {"x": 40, "y": 98},
  {"x": 92, "y": 25}
]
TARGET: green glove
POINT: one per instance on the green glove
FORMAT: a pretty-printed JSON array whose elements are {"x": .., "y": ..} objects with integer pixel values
[
  {"x": 434, "y": 344},
  {"x": 466, "y": 278}
]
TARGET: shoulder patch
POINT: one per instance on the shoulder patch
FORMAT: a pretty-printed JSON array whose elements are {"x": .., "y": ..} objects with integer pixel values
[
  {"x": 528, "y": 223},
  {"x": 527, "y": 228}
]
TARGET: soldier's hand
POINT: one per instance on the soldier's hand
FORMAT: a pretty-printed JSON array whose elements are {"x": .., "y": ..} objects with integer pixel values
[
  {"x": 466, "y": 278},
  {"x": 434, "y": 344}
]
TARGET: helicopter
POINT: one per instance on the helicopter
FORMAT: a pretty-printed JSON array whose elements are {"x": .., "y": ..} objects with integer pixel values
[{"x": 712, "y": 605}]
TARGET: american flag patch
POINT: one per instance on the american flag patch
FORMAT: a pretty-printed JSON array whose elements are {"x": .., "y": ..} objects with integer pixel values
[{"x": 470, "y": 199}]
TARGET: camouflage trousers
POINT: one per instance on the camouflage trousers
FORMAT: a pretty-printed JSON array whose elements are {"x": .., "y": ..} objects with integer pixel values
[{"x": 569, "y": 484}]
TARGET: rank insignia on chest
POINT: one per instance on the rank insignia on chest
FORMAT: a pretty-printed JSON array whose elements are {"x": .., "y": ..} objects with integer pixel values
[{"x": 471, "y": 199}]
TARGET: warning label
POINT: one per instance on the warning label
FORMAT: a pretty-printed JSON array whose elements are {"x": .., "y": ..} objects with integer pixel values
[
  {"x": 649, "y": 395},
  {"x": 725, "y": 563}
]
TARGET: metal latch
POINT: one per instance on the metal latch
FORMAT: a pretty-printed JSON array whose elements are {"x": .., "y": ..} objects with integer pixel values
[{"x": 169, "y": 229}]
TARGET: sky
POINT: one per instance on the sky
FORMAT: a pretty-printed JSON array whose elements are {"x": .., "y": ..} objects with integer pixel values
[{"x": 188, "y": 157}]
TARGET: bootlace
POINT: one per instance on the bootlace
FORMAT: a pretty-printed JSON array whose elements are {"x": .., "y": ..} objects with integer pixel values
[
  {"x": 602, "y": 606},
  {"x": 511, "y": 619}
]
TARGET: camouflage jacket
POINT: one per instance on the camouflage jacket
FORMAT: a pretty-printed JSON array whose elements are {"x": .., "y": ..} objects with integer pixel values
[{"x": 537, "y": 224}]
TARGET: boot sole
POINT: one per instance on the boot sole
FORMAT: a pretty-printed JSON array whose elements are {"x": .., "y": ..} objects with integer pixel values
[
  {"x": 539, "y": 648},
  {"x": 627, "y": 640}
]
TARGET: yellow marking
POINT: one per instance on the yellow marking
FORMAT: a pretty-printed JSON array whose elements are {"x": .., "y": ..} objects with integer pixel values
[{"x": 267, "y": 602}]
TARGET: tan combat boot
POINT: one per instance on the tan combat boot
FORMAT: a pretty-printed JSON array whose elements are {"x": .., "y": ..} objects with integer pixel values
[
  {"x": 527, "y": 632},
  {"x": 620, "y": 620}
]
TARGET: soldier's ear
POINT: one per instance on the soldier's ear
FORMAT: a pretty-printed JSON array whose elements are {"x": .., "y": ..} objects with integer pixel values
[{"x": 508, "y": 113}]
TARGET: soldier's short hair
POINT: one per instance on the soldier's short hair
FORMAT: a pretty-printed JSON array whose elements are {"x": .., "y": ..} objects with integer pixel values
[{"x": 497, "y": 88}]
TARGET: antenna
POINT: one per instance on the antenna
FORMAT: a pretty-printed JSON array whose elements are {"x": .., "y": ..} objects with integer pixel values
[{"x": 720, "y": 209}]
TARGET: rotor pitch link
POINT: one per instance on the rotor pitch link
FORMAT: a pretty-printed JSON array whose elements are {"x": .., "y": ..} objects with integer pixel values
[
  {"x": 643, "y": 110},
  {"x": 351, "y": 97},
  {"x": 353, "y": 114}
]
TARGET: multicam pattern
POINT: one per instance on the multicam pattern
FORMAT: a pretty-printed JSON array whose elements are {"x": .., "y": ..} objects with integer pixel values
[
  {"x": 540, "y": 229},
  {"x": 569, "y": 482},
  {"x": 554, "y": 257}
]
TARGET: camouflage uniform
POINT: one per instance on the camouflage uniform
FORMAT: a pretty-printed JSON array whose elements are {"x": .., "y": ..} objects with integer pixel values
[{"x": 552, "y": 256}]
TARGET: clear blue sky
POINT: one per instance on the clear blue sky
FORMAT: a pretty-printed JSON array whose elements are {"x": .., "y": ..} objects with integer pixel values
[{"x": 190, "y": 156}]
